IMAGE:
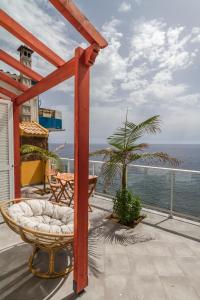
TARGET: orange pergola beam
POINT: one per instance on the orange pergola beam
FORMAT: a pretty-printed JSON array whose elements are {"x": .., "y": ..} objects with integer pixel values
[
  {"x": 7, "y": 93},
  {"x": 73, "y": 14},
  {"x": 64, "y": 72},
  {"x": 11, "y": 61},
  {"x": 30, "y": 40},
  {"x": 81, "y": 158},
  {"x": 16, "y": 84}
]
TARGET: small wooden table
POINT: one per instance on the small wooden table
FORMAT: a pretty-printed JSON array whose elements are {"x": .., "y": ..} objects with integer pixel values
[{"x": 66, "y": 181}]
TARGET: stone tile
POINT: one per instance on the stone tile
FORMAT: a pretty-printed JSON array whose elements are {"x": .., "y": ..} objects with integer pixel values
[
  {"x": 138, "y": 249},
  {"x": 195, "y": 246},
  {"x": 116, "y": 288},
  {"x": 158, "y": 248},
  {"x": 181, "y": 249},
  {"x": 195, "y": 283},
  {"x": 117, "y": 264},
  {"x": 8, "y": 237},
  {"x": 179, "y": 288},
  {"x": 146, "y": 287},
  {"x": 142, "y": 265},
  {"x": 167, "y": 266},
  {"x": 189, "y": 265},
  {"x": 96, "y": 289}
]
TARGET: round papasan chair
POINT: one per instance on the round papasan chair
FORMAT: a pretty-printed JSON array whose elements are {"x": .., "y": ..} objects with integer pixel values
[{"x": 46, "y": 225}]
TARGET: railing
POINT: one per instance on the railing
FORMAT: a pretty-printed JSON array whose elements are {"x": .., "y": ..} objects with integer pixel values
[{"x": 175, "y": 191}]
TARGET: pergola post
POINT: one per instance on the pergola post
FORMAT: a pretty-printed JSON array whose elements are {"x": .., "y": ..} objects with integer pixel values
[
  {"x": 81, "y": 157},
  {"x": 16, "y": 133}
]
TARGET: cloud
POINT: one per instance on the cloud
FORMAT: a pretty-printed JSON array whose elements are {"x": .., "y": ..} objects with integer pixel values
[
  {"x": 157, "y": 54},
  {"x": 46, "y": 24},
  {"x": 110, "y": 67},
  {"x": 124, "y": 7},
  {"x": 147, "y": 67}
]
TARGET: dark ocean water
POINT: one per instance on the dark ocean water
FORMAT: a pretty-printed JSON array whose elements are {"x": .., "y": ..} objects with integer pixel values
[
  {"x": 154, "y": 186},
  {"x": 188, "y": 154}
]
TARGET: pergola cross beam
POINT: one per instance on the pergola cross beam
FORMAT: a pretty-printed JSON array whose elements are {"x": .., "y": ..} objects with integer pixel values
[
  {"x": 11, "y": 61},
  {"x": 59, "y": 75},
  {"x": 72, "y": 13},
  {"x": 7, "y": 93},
  {"x": 29, "y": 39},
  {"x": 16, "y": 84}
]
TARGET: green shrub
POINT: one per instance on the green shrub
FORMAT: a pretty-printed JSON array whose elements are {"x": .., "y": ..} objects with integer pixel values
[{"x": 126, "y": 206}]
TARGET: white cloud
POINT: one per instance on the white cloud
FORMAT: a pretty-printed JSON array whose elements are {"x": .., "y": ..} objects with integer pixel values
[
  {"x": 144, "y": 68},
  {"x": 49, "y": 27},
  {"x": 110, "y": 66},
  {"x": 124, "y": 7}
]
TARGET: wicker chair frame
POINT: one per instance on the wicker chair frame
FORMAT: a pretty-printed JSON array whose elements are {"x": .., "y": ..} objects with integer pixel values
[{"x": 48, "y": 242}]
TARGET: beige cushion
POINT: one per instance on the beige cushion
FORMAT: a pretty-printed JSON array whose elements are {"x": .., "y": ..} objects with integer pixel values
[{"x": 43, "y": 215}]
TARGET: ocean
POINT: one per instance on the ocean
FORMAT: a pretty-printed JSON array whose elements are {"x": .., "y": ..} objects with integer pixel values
[{"x": 154, "y": 186}]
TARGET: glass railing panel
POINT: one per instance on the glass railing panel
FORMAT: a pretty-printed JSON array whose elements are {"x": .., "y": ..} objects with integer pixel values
[
  {"x": 153, "y": 186},
  {"x": 187, "y": 194}
]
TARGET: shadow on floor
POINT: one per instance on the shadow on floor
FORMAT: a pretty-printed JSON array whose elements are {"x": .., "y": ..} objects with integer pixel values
[{"x": 16, "y": 281}]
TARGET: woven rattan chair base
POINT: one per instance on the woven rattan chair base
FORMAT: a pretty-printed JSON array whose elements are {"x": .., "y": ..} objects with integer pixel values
[{"x": 51, "y": 273}]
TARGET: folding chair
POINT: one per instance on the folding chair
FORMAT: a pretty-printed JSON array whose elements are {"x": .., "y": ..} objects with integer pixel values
[
  {"x": 54, "y": 187},
  {"x": 91, "y": 188}
]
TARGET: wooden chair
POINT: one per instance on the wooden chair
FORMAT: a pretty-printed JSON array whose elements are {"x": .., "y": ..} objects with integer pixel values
[
  {"x": 91, "y": 188},
  {"x": 54, "y": 186}
]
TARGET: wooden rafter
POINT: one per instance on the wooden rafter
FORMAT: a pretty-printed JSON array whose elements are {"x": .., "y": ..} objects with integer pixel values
[
  {"x": 7, "y": 93},
  {"x": 64, "y": 72},
  {"x": 30, "y": 40},
  {"x": 11, "y": 61},
  {"x": 73, "y": 14},
  {"x": 16, "y": 84}
]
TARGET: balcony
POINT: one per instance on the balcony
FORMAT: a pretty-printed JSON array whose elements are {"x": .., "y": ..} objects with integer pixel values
[{"x": 158, "y": 259}]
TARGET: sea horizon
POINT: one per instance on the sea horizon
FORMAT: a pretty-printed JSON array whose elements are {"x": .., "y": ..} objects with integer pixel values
[{"x": 188, "y": 154}]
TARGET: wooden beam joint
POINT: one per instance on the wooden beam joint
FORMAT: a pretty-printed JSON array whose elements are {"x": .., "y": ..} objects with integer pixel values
[{"x": 91, "y": 54}]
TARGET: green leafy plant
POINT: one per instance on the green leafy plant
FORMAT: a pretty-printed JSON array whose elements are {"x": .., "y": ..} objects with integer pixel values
[
  {"x": 126, "y": 206},
  {"x": 29, "y": 151},
  {"x": 125, "y": 150}
]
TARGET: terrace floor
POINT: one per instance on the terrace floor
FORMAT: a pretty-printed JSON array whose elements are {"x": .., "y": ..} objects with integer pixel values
[{"x": 158, "y": 259}]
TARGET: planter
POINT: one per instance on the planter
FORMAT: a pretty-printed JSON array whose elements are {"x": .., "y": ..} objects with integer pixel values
[{"x": 115, "y": 219}]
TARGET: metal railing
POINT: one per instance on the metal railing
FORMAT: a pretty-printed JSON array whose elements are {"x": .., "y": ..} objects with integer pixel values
[{"x": 175, "y": 191}]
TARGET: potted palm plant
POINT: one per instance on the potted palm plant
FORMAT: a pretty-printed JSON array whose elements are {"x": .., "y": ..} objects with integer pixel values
[
  {"x": 30, "y": 151},
  {"x": 125, "y": 149}
]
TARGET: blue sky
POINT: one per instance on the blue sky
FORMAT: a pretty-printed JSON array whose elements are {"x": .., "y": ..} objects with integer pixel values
[{"x": 152, "y": 64}]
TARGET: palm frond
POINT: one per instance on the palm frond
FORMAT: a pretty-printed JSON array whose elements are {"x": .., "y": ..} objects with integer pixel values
[
  {"x": 28, "y": 150},
  {"x": 126, "y": 136},
  {"x": 139, "y": 147},
  {"x": 155, "y": 157},
  {"x": 111, "y": 169},
  {"x": 106, "y": 153}
]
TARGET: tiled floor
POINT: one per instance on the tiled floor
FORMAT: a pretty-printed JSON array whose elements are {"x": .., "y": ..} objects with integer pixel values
[{"x": 154, "y": 261}]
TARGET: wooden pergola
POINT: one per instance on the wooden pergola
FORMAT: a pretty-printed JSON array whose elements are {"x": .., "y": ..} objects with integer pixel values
[{"x": 79, "y": 67}]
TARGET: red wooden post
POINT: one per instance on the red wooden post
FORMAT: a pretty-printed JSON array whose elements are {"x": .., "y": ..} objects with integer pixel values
[
  {"x": 81, "y": 155},
  {"x": 16, "y": 133}
]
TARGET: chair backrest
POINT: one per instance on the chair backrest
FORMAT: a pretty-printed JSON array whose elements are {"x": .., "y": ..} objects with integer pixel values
[
  {"x": 49, "y": 174},
  {"x": 91, "y": 185}
]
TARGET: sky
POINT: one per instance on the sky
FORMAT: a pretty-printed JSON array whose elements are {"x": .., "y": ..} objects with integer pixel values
[{"x": 151, "y": 66}]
